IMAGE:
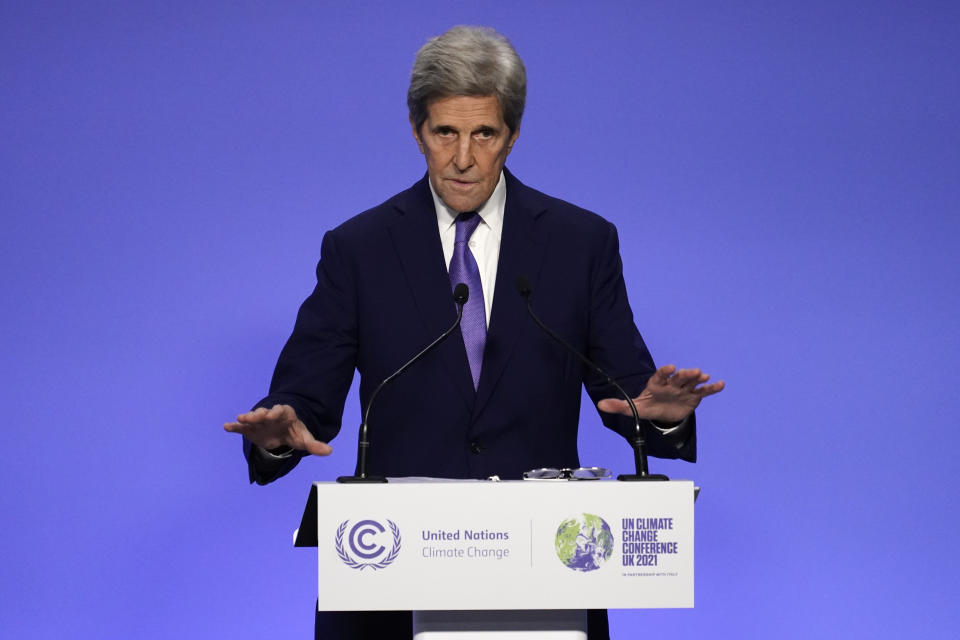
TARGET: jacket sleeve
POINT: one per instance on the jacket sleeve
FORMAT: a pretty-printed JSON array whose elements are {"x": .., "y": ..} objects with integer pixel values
[
  {"x": 316, "y": 366},
  {"x": 616, "y": 345}
]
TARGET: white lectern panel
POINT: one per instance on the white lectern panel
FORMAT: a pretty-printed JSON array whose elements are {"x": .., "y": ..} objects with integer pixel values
[{"x": 449, "y": 545}]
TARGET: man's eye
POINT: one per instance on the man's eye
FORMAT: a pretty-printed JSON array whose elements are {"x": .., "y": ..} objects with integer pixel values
[{"x": 484, "y": 135}]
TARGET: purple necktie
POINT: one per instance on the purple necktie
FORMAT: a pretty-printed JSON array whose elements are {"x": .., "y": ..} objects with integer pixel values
[{"x": 463, "y": 268}]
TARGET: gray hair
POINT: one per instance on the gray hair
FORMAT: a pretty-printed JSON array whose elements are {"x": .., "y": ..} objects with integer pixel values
[{"x": 468, "y": 61}]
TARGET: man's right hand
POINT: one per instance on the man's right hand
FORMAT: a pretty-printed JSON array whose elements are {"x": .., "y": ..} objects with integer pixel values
[{"x": 277, "y": 427}]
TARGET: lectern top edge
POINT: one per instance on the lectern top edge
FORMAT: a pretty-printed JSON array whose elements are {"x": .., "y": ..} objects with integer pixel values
[{"x": 307, "y": 536}]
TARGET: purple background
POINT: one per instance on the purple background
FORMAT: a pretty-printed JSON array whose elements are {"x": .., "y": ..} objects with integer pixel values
[{"x": 785, "y": 180}]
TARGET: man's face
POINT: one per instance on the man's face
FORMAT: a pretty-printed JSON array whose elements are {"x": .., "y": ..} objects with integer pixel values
[{"x": 466, "y": 142}]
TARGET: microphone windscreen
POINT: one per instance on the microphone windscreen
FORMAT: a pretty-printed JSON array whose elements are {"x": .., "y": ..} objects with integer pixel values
[
  {"x": 523, "y": 286},
  {"x": 460, "y": 293}
]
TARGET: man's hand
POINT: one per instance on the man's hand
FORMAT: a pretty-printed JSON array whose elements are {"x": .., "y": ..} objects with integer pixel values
[
  {"x": 670, "y": 395},
  {"x": 277, "y": 427}
]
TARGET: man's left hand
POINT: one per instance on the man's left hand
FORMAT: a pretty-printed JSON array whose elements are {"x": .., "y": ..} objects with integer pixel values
[{"x": 670, "y": 395}]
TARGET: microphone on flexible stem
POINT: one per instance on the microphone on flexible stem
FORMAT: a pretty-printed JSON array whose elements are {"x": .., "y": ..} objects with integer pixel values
[
  {"x": 460, "y": 294},
  {"x": 637, "y": 442}
]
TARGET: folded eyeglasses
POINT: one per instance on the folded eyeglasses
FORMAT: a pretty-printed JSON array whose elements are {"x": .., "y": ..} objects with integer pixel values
[{"x": 580, "y": 473}]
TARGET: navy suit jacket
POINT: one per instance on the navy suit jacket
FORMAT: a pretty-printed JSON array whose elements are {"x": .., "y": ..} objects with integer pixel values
[{"x": 383, "y": 293}]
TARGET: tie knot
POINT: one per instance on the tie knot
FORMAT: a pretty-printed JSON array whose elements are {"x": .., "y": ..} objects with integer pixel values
[{"x": 466, "y": 224}]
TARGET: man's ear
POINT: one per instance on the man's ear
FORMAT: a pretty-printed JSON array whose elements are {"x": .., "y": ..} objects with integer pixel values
[
  {"x": 416, "y": 136},
  {"x": 512, "y": 140}
]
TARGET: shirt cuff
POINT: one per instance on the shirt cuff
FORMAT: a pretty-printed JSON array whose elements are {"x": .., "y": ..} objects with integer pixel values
[
  {"x": 668, "y": 430},
  {"x": 266, "y": 455}
]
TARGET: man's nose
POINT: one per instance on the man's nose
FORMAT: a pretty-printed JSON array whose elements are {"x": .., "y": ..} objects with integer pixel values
[{"x": 463, "y": 158}]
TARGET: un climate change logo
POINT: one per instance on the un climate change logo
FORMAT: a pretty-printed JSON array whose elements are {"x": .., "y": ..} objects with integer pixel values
[
  {"x": 583, "y": 544},
  {"x": 364, "y": 547}
]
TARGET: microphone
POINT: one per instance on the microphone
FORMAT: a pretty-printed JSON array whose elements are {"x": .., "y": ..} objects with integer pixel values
[
  {"x": 637, "y": 442},
  {"x": 460, "y": 295}
]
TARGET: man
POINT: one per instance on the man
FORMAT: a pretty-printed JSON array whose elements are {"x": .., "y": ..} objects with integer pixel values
[{"x": 499, "y": 397}]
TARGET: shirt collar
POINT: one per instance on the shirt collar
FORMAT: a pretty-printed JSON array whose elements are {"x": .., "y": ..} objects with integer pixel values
[{"x": 490, "y": 212}]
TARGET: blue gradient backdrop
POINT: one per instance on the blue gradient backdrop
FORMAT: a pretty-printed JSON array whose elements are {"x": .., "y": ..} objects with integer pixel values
[{"x": 785, "y": 180}]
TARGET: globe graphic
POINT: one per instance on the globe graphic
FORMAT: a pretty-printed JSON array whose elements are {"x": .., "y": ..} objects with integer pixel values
[{"x": 584, "y": 544}]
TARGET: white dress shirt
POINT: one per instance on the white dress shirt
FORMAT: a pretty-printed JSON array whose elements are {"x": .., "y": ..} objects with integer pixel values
[{"x": 484, "y": 243}]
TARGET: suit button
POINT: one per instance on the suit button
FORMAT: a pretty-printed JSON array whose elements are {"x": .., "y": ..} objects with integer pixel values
[{"x": 475, "y": 447}]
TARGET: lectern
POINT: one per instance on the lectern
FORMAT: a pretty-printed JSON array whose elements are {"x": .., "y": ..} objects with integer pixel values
[{"x": 523, "y": 559}]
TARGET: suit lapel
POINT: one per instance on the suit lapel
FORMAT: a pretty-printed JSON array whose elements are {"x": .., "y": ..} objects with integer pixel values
[
  {"x": 417, "y": 243},
  {"x": 521, "y": 252}
]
